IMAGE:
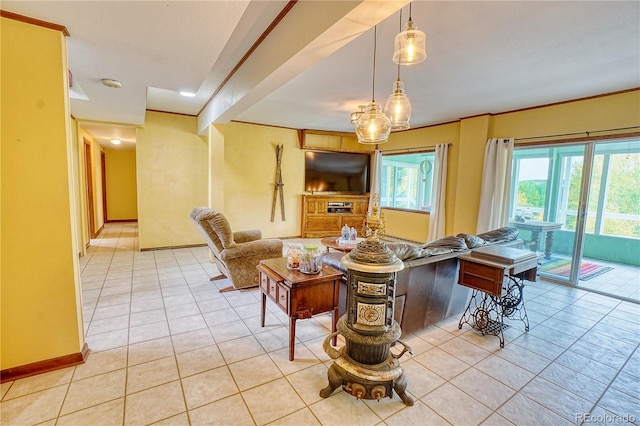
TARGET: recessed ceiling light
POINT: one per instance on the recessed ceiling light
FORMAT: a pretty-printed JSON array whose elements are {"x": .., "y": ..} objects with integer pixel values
[
  {"x": 188, "y": 94},
  {"x": 116, "y": 141},
  {"x": 115, "y": 84}
]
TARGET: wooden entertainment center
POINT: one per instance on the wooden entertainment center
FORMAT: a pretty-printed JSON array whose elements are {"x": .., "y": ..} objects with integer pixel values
[{"x": 325, "y": 215}]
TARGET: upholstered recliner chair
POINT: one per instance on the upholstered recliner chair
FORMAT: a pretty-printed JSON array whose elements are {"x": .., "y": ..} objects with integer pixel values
[{"x": 236, "y": 253}]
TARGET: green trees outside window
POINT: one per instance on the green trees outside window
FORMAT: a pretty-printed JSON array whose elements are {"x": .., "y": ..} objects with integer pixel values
[
  {"x": 546, "y": 186},
  {"x": 405, "y": 181}
]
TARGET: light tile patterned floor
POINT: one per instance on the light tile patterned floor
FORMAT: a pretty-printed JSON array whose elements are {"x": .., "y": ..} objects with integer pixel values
[{"x": 168, "y": 348}]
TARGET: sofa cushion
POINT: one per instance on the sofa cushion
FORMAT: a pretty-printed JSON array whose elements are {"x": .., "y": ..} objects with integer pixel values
[
  {"x": 451, "y": 242},
  {"x": 472, "y": 241},
  {"x": 333, "y": 259},
  {"x": 444, "y": 245},
  {"x": 406, "y": 251},
  {"x": 500, "y": 235}
]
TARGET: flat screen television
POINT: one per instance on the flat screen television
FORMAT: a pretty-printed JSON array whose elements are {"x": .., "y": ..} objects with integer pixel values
[{"x": 336, "y": 172}]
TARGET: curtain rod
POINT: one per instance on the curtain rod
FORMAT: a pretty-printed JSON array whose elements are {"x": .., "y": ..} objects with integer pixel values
[
  {"x": 418, "y": 149},
  {"x": 587, "y": 133}
]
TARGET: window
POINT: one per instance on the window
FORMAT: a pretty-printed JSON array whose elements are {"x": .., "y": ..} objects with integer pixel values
[
  {"x": 614, "y": 198},
  {"x": 405, "y": 181},
  {"x": 546, "y": 186}
]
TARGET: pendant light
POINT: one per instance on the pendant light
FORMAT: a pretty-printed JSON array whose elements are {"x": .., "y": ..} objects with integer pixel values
[
  {"x": 410, "y": 45},
  {"x": 355, "y": 115},
  {"x": 398, "y": 107},
  {"x": 373, "y": 126}
]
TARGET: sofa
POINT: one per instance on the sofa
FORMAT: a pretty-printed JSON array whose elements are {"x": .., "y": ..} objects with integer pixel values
[{"x": 427, "y": 289}]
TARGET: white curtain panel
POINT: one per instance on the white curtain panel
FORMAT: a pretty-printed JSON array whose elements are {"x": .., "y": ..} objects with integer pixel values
[
  {"x": 493, "y": 211},
  {"x": 438, "y": 193},
  {"x": 375, "y": 177}
]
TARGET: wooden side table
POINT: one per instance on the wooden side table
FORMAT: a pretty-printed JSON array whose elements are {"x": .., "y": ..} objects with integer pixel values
[{"x": 299, "y": 295}]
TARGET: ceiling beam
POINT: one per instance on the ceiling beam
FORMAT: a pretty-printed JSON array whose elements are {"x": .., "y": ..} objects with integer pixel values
[{"x": 308, "y": 33}]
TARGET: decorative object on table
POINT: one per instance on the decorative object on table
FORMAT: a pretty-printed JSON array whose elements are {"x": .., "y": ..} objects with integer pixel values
[
  {"x": 365, "y": 367},
  {"x": 278, "y": 186},
  {"x": 349, "y": 242},
  {"x": 353, "y": 234},
  {"x": 294, "y": 255},
  {"x": 311, "y": 260},
  {"x": 344, "y": 234}
]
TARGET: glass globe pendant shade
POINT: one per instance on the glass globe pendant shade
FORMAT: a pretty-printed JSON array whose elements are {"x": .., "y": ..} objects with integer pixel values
[
  {"x": 410, "y": 46},
  {"x": 398, "y": 108},
  {"x": 373, "y": 126},
  {"x": 355, "y": 115}
]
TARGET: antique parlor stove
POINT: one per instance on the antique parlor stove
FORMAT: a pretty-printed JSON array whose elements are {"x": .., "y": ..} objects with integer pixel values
[{"x": 365, "y": 367}]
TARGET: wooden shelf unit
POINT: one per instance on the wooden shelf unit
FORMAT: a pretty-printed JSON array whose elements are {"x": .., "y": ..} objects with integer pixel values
[{"x": 325, "y": 215}]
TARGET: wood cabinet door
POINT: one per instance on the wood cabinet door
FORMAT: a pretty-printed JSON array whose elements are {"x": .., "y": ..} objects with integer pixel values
[
  {"x": 360, "y": 207},
  {"x": 315, "y": 206},
  {"x": 327, "y": 222}
]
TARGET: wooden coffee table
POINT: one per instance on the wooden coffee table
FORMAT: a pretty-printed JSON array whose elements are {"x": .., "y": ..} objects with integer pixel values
[
  {"x": 332, "y": 243},
  {"x": 299, "y": 295}
]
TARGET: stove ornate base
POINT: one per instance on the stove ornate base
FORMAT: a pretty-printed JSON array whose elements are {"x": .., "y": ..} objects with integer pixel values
[{"x": 366, "y": 381}]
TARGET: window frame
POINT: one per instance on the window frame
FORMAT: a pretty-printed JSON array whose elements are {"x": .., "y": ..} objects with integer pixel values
[
  {"x": 430, "y": 153},
  {"x": 552, "y": 204}
]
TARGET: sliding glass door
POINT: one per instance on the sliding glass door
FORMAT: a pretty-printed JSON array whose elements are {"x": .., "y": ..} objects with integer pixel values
[
  {"x": 611, "y": 247},
  {"x": 546, "y": 205},
  {"x": 578, "y": 205}
]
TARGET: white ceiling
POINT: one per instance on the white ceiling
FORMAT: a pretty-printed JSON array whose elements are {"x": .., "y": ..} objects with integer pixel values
[{"x": 316, "y": 67}]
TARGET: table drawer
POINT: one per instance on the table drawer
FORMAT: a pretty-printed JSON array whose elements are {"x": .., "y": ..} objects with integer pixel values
[
  {"x": 283, "y": 298},
  {"x": 264, "y": 282},
  {"x": 481, "y": 277},
  {"x": 273, "y": 288}
]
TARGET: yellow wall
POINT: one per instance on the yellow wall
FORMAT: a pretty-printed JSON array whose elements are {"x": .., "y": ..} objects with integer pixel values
[
  {"x": 474, "y": 133},
  {"x": 605, "y": 112},
  {"x": 412, "y": 226},
  {"x": 216, "y": 166},
  {"x": 172, "y": 167},
  {"x": 120, "y": 171},
  {"x": 249, "y": 176},
  {"x": 40, "y": 307}
]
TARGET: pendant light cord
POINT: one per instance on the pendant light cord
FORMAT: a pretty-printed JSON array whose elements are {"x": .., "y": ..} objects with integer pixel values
[
  {"x": 400, "y": 28},
  {"x": 375, "y": 39}
]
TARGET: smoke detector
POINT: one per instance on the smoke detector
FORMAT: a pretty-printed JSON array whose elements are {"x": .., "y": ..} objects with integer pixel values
[{"x": 115, "y": 84}]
